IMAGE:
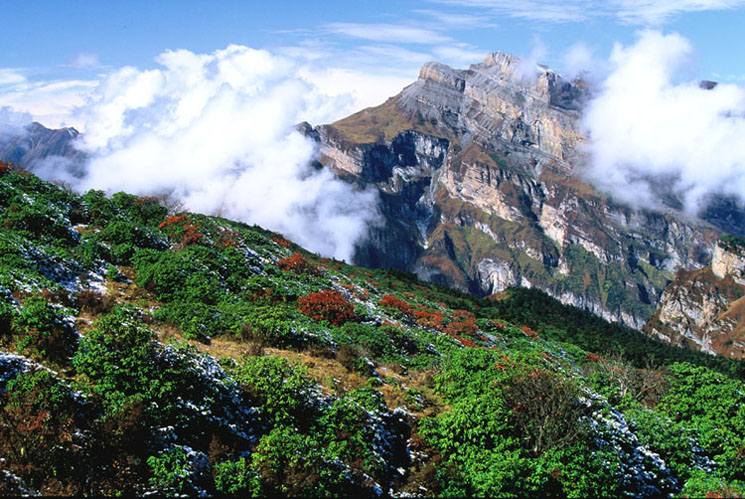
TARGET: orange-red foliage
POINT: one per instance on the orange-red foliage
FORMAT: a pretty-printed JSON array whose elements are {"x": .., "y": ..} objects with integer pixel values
[
  {"x": 181, "y": 227},
  {"x": 591, "y": 357},
  {"x": 529, "y": 332},
  {"x": 505, "y": 364},
  {"x": 466, "y": 342},
  {"x": 327, "y": 305},
  {"x": 6, "y": 168},
  {"x": 297, "y": 263},
  {"x": 282, "y": 242},
  {"x": 397, "y": 303},
  {"x": 229, "y": 239},
  {"x": 429, "y": 318},
  {"x": 499, "y": 324},
  {"x": 173, "y": 220},
  {"x": 462, "y": 322}
]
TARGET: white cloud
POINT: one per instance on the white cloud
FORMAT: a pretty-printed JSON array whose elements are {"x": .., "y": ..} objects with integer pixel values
[
  {"x": 656, "y": 12},
  {"x": 9, "y": 76},
  {"x": 458, "y": 55},
  {"x": 457, "y": 20},
  {"x": 527, "y": 68},
  {"x": 579, "y": 59},
  {"x": 393, "y": 54},
  {"x": 85, "y": 60},
  {"x": 12, "y": 122},
  {"x": 387, "y": 33},
  {"x": 533, "y": 10},
  {"x": 644, "y": 12},
  {"x": 216, "y": 130},
  {"x": 52, "y": 103},
  {"x": 648, "y": 130},
  {"x": 355, "y": 90}
]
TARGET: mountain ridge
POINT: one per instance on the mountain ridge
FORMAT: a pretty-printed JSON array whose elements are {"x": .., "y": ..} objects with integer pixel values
[{"x": 507, "y": 166}]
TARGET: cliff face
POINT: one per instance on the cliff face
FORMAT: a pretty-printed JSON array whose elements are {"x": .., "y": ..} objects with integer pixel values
[
  {"x": 476, "y": 169},
  {"x": 705, "y": 309}
]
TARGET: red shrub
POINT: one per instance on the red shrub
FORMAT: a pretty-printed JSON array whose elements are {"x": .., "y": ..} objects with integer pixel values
[
  {"x": 298, "y": 264},
  {"x": 393, "y": 301},
  {"x": 499, "y": 324},
  {"x": 529, "y": 332},
  {"x": 591, "y": 357},
  {"x": 180, "y": 227},
  {"x": 229, "y": 239},
  {"x": 430, "y": 318},
  {"x": 466, "y": 342},
  {"x": 326, "y": 305},
  {"x": 6, "y": 168},
  {"x": 462, "y": 322},
  {"x": 280, "y": 241},
  {"x": 173, "y": 220}
]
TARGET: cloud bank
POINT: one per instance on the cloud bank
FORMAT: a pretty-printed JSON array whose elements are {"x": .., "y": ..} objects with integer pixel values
[
  {"x": 217, "y": 131},
  {"x": 653, "y": 131}
]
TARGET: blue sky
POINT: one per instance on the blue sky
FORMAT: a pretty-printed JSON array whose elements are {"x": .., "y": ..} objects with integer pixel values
[{"x": 54, "y": 53}]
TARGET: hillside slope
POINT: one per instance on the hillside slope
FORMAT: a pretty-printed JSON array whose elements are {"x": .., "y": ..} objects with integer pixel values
[{"x": 144, "y": 351}]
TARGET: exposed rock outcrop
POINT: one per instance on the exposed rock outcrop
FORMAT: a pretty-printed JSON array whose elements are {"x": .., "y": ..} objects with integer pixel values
[
  {"x": 728, "y": 261},
  {"x": 705, "y": 309}
]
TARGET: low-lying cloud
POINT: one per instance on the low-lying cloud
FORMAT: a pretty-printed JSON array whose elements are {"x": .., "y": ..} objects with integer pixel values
[
  {"x": 13, "y": 123},
  {"x": 217, "y": 131},
  {"x": 653, "y": 130}
]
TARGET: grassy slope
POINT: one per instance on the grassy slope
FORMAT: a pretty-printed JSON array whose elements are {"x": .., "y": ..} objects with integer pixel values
[{"x": 206, "y": 364}]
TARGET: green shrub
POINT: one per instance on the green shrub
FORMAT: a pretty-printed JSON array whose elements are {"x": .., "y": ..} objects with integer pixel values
[
  {"x": 236, "y": 478},
  {"x": 117, "y": 356},
  {"x": 714, "y": 406},
  {"x": 273, "y": 325},
  {"x": 43, "y": 331},
  {"x": 283, "y": 390},
  {"x": 176, "y": 472},
  {"x": 293, "y": 464},
  {"x": 7, "y": 317}
]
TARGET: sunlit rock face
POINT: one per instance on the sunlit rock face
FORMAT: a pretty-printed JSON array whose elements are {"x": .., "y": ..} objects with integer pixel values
[
  {"x": 479, "y": 174},
  {"x": 705, "y": 309}
]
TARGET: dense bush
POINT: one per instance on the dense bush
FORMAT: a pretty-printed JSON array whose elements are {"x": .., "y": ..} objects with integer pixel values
[
  {"x": 714, "y": 406},
  {"x": 284, "y": 391},
  {"x": 43, "y": 331}
]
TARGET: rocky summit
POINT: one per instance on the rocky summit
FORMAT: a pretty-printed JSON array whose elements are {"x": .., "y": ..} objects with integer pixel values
[{"x": 478, "y": 172}]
